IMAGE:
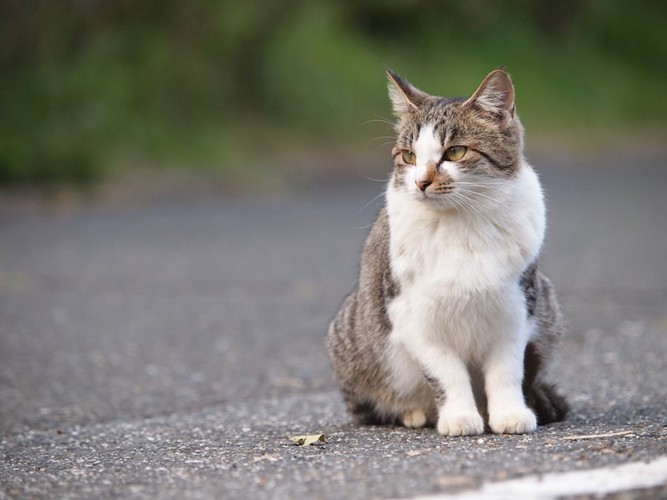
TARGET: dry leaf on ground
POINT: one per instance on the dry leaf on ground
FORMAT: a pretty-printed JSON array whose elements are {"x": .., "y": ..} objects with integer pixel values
[{"x": 308, "y": 439}]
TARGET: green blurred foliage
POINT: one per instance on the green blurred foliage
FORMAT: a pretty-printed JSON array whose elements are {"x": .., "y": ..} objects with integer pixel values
[{"x": 89, "y": 85}]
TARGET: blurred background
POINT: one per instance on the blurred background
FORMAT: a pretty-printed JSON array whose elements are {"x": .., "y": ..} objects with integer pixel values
[{"x": 94, "y": 90}]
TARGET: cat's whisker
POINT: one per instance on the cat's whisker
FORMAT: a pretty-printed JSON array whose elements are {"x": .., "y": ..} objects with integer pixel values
[
  {"x": 473, "y": 207},
  {"x": 379, "y": 145},
  {"x": 383, "y": 144},
  {"x": 482, "y": 206},
  {"x": 467, "y": 206},
  {"x": 483, "y": 189},
  {"x": 363, "y": 227},
  {"x": 386, "y": 137},
  {"x": 487, "y": 201},
  {"x": 376, "y": 147},
  {"x": 385, "y": 121},
  {"x": 459, "y": 200},
  {"x": 455, "y": 205},
  {"x": 388, "y": 141},
  {"x": 375, "y": 180},
  {"x": 494, "y": 186},
  {"x": 478, "y": 180},
  {"x": 371, "y": 202}
]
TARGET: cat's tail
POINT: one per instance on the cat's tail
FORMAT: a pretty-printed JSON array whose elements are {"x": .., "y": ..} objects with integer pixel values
[
  {"x": 542, "y": 397},
  {"x": 549, "y": 406}
]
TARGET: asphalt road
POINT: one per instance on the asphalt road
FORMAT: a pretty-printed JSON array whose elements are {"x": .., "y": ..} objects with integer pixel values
[{"x": 171, "y": 349}]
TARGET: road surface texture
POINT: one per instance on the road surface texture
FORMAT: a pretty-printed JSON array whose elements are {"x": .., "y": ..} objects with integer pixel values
[{"x": 170, "y": 350}]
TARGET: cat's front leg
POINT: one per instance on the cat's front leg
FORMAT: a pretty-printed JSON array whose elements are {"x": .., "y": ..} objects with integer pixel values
[
  {"x": 503, "y": 374},
  {"x": 448, "y": 376}
]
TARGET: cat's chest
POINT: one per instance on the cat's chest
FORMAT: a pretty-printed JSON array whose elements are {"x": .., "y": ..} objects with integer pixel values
[{"x": 454, "y": 254}]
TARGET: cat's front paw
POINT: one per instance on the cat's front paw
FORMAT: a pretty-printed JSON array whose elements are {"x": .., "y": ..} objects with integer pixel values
[
  {"x": 414, "y": 419},
  {"x": 468, "y": 423},
  {"x": 512, "y": 421}
]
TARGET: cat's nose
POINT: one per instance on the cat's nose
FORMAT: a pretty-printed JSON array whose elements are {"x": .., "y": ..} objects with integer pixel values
[{"x": 423, "y": 184}]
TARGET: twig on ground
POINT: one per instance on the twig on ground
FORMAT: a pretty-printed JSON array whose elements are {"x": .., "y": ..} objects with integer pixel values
[{"x": 594, "y": 436}]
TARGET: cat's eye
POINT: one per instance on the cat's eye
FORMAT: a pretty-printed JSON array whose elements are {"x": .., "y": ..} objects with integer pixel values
[
  {"x": 455, "y": 153},
  {"x": 409, "y": 157}
]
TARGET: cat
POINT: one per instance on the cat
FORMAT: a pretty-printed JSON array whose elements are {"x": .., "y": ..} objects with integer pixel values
[{"x": 452, "y": 323}]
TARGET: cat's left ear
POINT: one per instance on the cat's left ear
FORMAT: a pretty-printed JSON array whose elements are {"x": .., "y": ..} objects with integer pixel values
[
  {"x": 495, "y": 95},
  {"x": 404, "y": 96}
]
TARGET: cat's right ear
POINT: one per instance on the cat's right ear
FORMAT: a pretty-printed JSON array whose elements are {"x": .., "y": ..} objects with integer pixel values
[
  {"x": 404, "y": 97},
  {"x": 495, "y": 95}
]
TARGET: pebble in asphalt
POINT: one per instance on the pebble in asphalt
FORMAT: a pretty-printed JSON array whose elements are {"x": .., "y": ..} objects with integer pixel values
[{"x": 172, "y": 349}]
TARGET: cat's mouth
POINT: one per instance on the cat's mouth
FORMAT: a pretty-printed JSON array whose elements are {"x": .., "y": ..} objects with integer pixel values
[
  {"x": 432, "y": 184},
  {"x": 433, "y": 192},
  {"x": 441, "y": 197}
]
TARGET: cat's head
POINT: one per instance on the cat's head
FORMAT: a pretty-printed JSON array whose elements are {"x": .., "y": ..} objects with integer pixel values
[{"x": 449, "y": 149}]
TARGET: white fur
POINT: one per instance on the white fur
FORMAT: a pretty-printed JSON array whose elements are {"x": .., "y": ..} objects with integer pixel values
[
  {"x": 492, "y": 100},
  {"x": 460, "y": 305},
  {"x": 428, "y": 151}
]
